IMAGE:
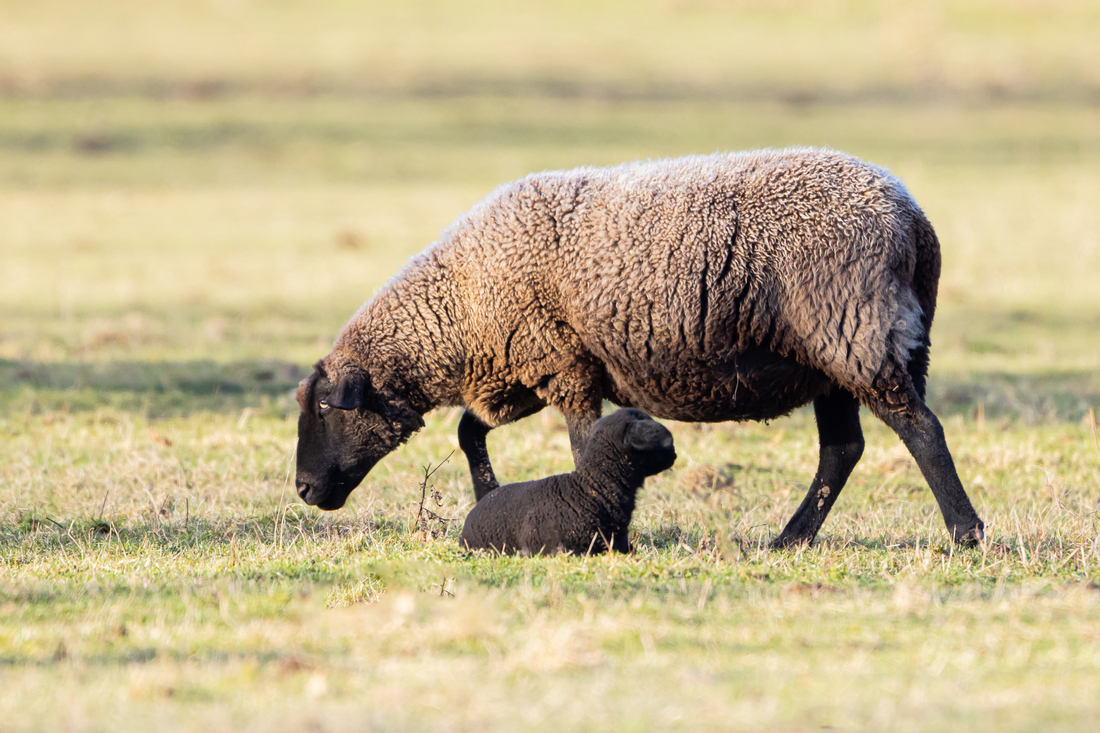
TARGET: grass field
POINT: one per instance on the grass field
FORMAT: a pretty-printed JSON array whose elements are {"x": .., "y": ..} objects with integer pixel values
[{"x": 195, "y": 196}]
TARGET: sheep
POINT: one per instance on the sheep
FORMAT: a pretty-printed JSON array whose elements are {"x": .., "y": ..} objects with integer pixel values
[
  {"x": 732, "y": 286},
  {"x": 581, "y": 512}
]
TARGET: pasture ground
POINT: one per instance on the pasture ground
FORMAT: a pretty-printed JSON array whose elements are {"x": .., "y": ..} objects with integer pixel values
[{"x": 194, "y": 197}]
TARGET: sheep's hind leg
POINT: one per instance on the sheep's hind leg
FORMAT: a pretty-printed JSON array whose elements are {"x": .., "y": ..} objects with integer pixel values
[
  {"x": 472, "y": 434},
  {"x": 922, "y": 434},
  {"x": 841, "y": 440}
]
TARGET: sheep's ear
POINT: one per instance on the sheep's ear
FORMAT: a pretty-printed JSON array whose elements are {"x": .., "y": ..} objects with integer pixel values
[
  {"x": 349, "y": 391},
  {"x": 647, "y": 435}
]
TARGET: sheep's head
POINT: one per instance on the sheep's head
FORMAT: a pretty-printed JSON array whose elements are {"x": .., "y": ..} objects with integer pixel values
[
  {"x": 646, "y": 443},
  {"x": 345, "y": 427}
]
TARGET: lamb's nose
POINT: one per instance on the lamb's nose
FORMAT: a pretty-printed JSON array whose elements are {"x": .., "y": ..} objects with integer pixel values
[{"x": 303, "y": 488}]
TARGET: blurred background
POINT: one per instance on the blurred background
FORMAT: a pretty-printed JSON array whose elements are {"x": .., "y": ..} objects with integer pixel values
[
  {"x": 214, "y": 186},
  {"x": 196, "y": 195}
]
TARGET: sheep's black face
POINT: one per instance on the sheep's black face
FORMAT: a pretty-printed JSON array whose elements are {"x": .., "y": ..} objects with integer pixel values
[
  {"x": 343, "y": 430},
  {"x": 646, "y": 442}
]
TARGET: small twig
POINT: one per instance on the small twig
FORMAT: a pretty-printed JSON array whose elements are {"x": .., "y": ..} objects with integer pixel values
[
  {"x": 421, "y": 521},
  {"x": 429, "y": 471},
  {"x": 103, "y": 506}
]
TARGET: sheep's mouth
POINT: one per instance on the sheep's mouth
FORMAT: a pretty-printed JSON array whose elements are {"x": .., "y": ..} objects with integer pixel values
[
  {"x": 328, "y": 497},
  {"x": 332, "y": 503},
  {"x": 329, "y": 500}
]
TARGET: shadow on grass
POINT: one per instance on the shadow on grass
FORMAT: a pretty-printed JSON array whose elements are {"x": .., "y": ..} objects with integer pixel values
[
  {"x": 552, "y": 86},
  {"x": 157, "y": 389},
  {"x": 173, "y": 531},
  {"x": 1064, "y": 396},
  {"x": 181, "y": 388}
]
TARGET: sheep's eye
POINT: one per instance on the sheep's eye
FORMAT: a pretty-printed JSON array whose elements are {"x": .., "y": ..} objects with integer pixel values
[{"x": 324, "y": 405}]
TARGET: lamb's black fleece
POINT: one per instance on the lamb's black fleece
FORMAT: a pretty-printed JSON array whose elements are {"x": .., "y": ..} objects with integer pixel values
[{"x": 585, "y": 511}]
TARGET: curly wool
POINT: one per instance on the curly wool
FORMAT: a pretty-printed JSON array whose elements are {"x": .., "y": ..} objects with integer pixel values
[{"x": 708, "y": 288}]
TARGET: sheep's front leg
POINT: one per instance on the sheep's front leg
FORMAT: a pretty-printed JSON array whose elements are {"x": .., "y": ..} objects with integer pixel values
[
  {"x": 580, "y": 429},
  {"x": 841, "y": 440},
  {"x": 472, "y": 434},
  {"x": 575, "y": 392}
]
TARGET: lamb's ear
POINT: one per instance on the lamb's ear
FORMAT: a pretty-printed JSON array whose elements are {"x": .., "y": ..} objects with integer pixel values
[
  {"x": 349, "y": 391},
  {"x": 647, "y": 435}
]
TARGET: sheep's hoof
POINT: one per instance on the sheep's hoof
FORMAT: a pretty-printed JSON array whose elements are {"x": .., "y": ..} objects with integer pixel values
[
  {"x": 786, "y": 542},
  {"x": 968, "y": 536}
]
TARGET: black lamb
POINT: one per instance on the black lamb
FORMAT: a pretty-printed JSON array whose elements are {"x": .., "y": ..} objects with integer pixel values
[{"x": 586, "y": 511}]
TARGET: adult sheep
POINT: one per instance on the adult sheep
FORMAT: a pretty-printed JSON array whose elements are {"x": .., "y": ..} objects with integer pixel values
[{"x": 711, "y": 288}]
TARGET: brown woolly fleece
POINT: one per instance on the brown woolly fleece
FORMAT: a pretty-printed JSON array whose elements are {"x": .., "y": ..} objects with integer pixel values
[{"x": 721, "y": 287}]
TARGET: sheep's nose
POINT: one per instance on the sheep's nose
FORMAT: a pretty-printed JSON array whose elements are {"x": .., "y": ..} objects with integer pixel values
[{"x": 303, "y": 488}]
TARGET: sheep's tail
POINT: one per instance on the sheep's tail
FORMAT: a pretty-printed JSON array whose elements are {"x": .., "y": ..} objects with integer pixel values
[{"x": 926, "y": 280}]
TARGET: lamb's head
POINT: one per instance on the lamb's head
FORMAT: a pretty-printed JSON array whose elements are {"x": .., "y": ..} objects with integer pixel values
[
  {"x": 345, "y": 427},
  {"x": 646, "y": 443}
]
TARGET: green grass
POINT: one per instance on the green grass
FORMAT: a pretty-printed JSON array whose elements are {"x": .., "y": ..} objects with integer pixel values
[{"x": 194, "y": 197}]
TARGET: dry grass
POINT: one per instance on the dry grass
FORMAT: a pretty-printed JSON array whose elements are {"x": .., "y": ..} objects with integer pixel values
[
  {"x": 194, "y": 197},
  {"x": 183, "y": 582}
]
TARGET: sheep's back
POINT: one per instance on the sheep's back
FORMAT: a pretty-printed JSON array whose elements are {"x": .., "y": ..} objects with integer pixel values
[{"x": 683, "y": 271}]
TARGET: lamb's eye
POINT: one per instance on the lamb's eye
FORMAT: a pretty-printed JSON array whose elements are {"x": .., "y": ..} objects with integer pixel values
[{"x": 324, "y": 405}]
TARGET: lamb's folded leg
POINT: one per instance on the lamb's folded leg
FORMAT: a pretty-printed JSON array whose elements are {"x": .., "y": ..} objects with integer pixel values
[
  {"x": 841, "y": 439},
  {"x": 472, "y": 434}
]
